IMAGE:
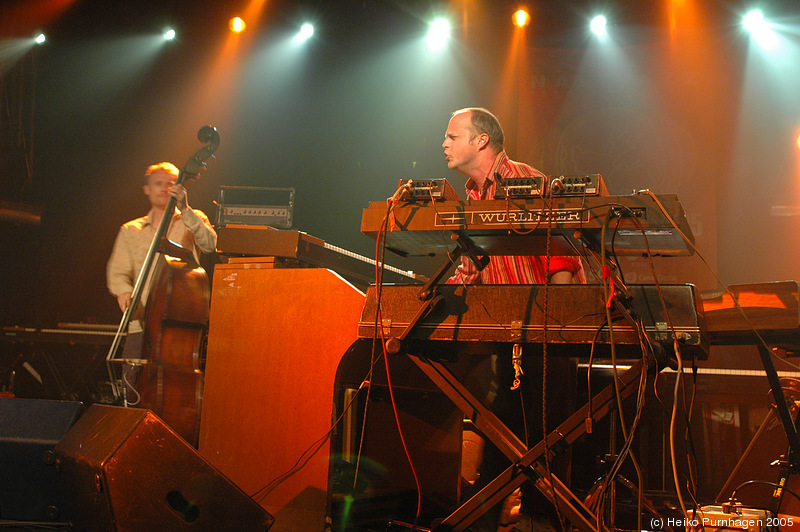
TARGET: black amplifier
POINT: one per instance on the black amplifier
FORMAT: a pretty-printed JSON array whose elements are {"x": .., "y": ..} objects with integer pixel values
[{"x": 268, "y": 206}]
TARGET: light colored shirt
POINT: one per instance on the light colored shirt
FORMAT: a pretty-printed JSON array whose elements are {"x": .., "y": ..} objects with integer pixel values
[
  {"x": 512, "y": 269},
  {"x": 191, "y": 229}
]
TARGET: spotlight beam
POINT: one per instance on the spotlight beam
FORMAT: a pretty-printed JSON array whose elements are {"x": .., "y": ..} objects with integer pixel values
[
  {"x": 599, "y": 26},
  {"x": 760, "y": 29},
  {"x": 438, "y": 34},
  {"x": 305, "y": 33}
]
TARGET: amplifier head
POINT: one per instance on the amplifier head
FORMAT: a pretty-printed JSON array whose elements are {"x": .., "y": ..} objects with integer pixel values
[{"x": 268, "y": 206}]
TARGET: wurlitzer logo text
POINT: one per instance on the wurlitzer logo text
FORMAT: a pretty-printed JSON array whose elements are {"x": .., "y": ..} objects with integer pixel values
[{"x": 561, "y": 216}]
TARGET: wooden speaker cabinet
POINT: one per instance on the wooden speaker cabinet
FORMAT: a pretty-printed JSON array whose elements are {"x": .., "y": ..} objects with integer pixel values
[
  {"x": 276, "y": 337},
  {"x": 123, "y": 469}
]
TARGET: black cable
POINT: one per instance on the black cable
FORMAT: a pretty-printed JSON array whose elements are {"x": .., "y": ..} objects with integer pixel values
[
  {"x": 268, "y": 488},
  {"x": 766, "y": 483}
]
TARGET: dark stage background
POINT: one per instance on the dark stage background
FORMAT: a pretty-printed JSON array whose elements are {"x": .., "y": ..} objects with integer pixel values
[{"x": 678, "y": 102}]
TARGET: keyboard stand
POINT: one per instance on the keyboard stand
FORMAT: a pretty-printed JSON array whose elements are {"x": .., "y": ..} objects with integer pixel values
[{"x": 526, "y": 464}]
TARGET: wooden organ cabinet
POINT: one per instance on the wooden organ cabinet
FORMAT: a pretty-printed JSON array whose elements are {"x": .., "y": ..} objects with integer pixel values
[{"x": 275, "y": 339}]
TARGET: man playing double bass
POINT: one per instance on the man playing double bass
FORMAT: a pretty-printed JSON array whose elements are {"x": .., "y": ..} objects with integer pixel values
[{"x": 189, "y": 228}]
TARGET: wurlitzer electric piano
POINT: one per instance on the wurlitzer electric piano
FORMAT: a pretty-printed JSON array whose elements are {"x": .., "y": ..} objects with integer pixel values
[{"x": 432, "y": 327}]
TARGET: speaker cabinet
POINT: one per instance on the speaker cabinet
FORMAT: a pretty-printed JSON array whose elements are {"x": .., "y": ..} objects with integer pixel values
[
  {"x": 123, "y": 469},
  {"x": 275, "y": 339},
  {"x": 29, "y": 432}
]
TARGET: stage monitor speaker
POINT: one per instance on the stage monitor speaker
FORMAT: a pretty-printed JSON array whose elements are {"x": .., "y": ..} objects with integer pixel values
[
  {"x": 29, "y": 432},
  {"x": 124, "y": 469}
]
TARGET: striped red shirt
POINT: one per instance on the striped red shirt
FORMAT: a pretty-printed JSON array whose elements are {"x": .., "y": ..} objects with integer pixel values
[{"x": 512, "y": 269}]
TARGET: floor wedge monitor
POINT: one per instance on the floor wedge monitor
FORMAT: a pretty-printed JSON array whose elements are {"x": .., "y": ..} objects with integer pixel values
[{"x": 124, "y": 469}]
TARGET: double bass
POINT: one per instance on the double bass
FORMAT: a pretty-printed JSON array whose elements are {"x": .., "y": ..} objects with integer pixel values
[{"x": 170, "y": 377}]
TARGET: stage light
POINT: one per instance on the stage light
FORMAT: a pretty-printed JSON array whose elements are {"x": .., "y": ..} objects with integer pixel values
[
  {"x": 237, "y": 25},
  {"x": 305, "y": 33},
  {"x": 169, "y": 34},
  {"x": 753, "y": 20},
  {"x": 598, "y": 26},
  {"x": 760, "y": 29},
  {"x": 39, "y": 38},
  {"x": 438, "y": 34},
  {"x": 521, "y": 18}
]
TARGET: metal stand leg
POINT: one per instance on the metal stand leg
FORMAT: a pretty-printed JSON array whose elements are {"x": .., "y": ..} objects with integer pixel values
[
  {"x": 526, "y": 462},
  {"x": 782, "y": 407}
]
